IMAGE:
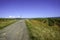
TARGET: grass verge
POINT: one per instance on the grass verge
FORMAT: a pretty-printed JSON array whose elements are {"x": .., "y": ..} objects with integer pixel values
[
  {"x": 4, "y": 24},
  {"x": 38, "y": 30}
]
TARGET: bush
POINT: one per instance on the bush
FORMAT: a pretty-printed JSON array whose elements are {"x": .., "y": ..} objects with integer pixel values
[{"x": 50, "y": 22}]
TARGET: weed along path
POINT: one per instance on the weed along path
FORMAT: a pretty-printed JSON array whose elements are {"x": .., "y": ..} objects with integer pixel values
[{"x": 16, "y": 31}]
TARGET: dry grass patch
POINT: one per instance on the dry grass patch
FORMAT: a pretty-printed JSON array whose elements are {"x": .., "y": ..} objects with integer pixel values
[{"x": 41, "y": 31}]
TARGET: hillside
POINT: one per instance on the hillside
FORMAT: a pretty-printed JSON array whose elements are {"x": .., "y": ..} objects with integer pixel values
[{"x": 44, "y": 28}]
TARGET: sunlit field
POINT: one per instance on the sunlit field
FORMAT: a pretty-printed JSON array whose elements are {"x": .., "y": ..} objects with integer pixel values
[
  {"x": 4, "y": 22},
  {"x": 44, "y": 28}
]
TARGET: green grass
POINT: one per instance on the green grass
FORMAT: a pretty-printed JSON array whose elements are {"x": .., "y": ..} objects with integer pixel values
[
  {"x": 45, "y": 29},
  {"x": 5, "y": 22}
]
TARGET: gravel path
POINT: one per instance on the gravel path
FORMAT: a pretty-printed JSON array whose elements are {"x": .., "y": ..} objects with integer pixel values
[{"x": 16, "y": 31}]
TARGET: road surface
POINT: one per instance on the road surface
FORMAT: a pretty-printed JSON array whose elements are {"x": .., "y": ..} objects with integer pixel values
[{"x": 16, "y": 31}]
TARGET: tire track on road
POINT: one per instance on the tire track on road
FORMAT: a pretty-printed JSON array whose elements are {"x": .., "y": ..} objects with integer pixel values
[{"x": 16, "y": 31}]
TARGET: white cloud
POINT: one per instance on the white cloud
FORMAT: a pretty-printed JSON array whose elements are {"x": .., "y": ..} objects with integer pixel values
[
  {"x": 14, "y": 16},
  {"x": 18, "y": 16},
  {"x": 10, "y": 16}
]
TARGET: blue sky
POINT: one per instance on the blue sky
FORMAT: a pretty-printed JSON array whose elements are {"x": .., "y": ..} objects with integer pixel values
[{"x": 30, "y": 8}]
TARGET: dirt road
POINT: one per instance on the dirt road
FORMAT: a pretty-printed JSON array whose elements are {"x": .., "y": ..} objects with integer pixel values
[{"x": 16, "y": 31}]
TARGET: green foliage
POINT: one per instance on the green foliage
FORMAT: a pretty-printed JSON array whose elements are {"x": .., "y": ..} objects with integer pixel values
[
  {"x": 44, "y": 29},
  {"x": 5, "y": 22},
  {"x": 50, "y": 22},
  {"x": 57, "y": 22}
]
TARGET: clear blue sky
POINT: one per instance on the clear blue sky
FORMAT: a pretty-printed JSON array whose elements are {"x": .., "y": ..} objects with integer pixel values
[{"x": 30, "y": 8}]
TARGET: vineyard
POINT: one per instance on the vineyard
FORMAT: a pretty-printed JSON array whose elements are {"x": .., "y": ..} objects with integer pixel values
[
  {"x": 44, "y": 28},
  {"x": 5, "y": 22}
]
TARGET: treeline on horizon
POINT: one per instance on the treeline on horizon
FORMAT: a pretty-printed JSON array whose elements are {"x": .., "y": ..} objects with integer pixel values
[{"x": 51, "y": 21}]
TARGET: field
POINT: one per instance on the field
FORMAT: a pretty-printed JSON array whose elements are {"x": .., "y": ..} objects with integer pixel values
[
  {"x": 5, "y": 22},
  {"x": 44, "y": 28}
]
